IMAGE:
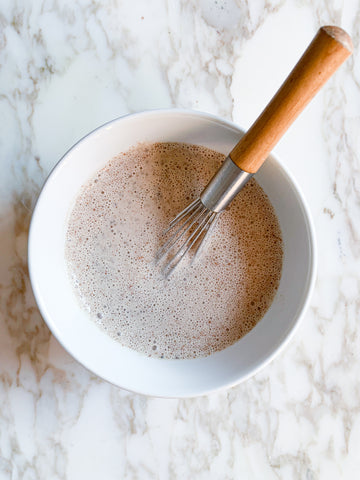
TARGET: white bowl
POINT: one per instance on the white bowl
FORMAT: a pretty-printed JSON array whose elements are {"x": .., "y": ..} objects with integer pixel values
[{"x": 85, "y": 341}]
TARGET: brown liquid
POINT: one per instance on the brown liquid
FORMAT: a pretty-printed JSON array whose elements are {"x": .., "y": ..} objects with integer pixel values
[{"x": 115, "y": 229}]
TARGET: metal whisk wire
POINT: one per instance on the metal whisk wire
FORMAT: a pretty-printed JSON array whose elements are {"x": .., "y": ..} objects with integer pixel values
[
  {"x": 190, "y": 225},
  {"x": 193, "y": 225}
]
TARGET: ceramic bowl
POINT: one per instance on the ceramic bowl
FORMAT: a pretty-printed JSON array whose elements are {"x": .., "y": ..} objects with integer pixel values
[{"x": 93, "y": 348}]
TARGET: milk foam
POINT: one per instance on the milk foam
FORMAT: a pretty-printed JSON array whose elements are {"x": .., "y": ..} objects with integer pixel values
[{"x": 115, "y": 229}]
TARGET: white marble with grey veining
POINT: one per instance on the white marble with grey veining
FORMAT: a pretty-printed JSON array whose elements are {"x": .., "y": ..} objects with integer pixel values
[{"x": 67, "y": 67}]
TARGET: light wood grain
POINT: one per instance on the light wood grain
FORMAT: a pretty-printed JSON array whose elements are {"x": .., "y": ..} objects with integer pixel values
[{"x": 328, "y": 50}]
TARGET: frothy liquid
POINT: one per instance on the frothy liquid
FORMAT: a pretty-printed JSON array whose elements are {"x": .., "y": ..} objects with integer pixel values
[{"x": 115, "y": 229}]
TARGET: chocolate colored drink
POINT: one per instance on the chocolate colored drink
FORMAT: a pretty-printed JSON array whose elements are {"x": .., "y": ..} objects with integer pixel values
[{"x": 115, "y": 229}]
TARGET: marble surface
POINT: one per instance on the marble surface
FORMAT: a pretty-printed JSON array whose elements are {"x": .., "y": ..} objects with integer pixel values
[{"x": 67, "y": 67}]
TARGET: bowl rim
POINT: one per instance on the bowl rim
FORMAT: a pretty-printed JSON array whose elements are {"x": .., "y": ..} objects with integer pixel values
[{"x": 308, "y": 289}]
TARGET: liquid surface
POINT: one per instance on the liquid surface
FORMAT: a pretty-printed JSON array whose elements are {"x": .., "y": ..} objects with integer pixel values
[{"x": 115, "y": 230}]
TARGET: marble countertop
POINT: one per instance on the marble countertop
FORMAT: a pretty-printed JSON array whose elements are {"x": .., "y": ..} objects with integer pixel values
[{"x": 67, "y": 67}]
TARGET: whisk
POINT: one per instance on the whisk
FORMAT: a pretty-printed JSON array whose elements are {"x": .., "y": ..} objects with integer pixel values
[{"x": 191, "y": 227}]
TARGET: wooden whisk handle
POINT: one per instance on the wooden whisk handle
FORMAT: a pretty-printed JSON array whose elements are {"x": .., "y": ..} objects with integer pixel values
[{"x": 329, "y": 49}]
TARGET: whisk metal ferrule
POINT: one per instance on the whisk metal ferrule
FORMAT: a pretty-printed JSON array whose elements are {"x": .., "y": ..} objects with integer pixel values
[{"x": 224, "y": 186}]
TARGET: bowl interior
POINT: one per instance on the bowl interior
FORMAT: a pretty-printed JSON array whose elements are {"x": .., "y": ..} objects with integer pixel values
[{"x": 86, "y": 341}]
